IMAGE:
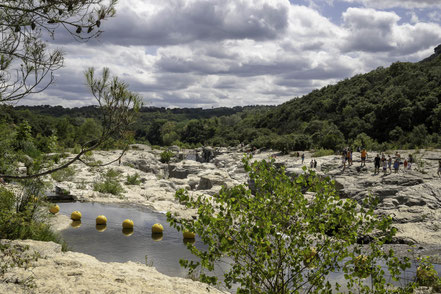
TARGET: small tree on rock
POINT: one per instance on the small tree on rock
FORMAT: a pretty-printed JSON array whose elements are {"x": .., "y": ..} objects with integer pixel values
[{"x": 276, "y": 239}]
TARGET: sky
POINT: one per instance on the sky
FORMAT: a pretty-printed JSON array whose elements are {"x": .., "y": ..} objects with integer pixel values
[{"x": 215, "y": 53}]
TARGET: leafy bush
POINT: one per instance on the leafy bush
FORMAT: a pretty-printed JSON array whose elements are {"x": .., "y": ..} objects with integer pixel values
[
  {"x": 133, "y": 179},
  {"x": 109, "y": 183},
  {"x": 166, "y": 155},
  {"x": 277, "y": 241},
  {"x": 323, "y": 152}
]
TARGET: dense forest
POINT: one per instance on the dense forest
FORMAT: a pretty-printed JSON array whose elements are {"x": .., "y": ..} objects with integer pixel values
[{"x": 394, "y": 107}]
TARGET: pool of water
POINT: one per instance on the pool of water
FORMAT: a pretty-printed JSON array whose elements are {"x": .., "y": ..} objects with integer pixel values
[{"x": 111, "y": 244}]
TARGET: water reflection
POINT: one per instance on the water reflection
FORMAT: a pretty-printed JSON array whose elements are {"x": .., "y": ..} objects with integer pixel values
[
  {"x": 75, "y": 224},
  {"x": 100, "y": 228},
  {"x": 157, "y": 236},
  {"x": 127, "y": 232}
]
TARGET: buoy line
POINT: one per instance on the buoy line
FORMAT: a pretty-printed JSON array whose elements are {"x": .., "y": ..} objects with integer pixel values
[{"x": 143, "y": 230}]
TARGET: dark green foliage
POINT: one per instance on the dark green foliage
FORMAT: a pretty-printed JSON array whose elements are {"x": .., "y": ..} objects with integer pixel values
[
  {"x": 166, "y": 155},
  {"x": 386, "y": 104}
]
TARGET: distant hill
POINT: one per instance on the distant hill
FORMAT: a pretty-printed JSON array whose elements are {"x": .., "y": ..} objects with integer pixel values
[{"x": 394, "y": 104}]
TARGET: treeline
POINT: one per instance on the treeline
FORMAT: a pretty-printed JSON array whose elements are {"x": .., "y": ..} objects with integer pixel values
[{"x": 395, "y": 107}]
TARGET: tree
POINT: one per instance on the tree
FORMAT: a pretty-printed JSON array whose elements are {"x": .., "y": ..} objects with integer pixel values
[
  {"x": 117, "y": 106},
  {"x": 26, "y": 64},
  {"x": 276, "y": 240}
]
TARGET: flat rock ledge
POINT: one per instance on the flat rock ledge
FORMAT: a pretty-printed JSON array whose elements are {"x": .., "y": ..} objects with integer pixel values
[{"x": 60, "y": 272}]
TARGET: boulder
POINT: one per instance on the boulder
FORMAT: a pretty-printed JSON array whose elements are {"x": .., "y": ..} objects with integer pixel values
[{"x": 209, "y": 179}]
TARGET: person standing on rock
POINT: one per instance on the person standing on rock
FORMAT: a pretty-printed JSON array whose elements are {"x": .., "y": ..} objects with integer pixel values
[
  {"x": 389, "y": 163},
  {"x": 405, "y": 164},
  {"x": 439, "y": 167},
  {"x": 303, "y": 157},
  {"x": 377, "y": 164},
  {"x": 396, "y": 164},
  {"x": 410, "y": 161},
  {"x": 315, "y": 163},
  {"x": 363, "y": 157}
]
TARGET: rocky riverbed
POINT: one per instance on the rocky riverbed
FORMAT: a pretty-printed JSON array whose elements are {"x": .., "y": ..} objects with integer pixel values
[{"x": 411, "y": 196}]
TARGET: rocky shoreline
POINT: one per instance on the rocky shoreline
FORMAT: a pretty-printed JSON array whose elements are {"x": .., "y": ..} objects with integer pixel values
[{"x": 412, "y": 197}]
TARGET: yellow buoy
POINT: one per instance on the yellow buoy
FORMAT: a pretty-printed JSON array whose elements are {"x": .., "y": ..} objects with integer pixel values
[
  {"x": 157, "y": 236},
  {"x": 127, "y": 224},
  {"x": 100, "y": 228},
  {"x": 101, "y": 220},
  {"x": 189, "y": 235},
  {"x": 54, "y": 209},
  {"x": 157, "y": 229},
  {"x": 127, "y": 231},
  {"x": 76, "y": 215},
  {"x": 76, "y": 224}
]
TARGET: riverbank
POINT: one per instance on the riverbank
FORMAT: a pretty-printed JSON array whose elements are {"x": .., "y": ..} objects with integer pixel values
[{"x": 412, "y": 197}]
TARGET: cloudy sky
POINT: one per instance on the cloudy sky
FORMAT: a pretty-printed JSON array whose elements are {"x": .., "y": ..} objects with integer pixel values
[{"x": 211, "y": 53}]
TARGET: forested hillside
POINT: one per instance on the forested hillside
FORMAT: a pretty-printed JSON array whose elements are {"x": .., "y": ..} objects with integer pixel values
[
  {"x": 400, "y": 104},
  {"x": 394, "y": 107}
]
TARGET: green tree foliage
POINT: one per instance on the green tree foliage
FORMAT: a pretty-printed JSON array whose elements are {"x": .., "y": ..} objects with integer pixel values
[
  {"x": 277, "y": 240},
  {"x": 26, "y": 63}
]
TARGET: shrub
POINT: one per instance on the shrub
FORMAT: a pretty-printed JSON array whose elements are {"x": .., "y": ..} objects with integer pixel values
[
  {"x": 19, "y": 218},
  {"x": 166, "y": 155},
  {"x": 323, "y": 152},
  {"x": 109, "y": 183},
  {"x": 277, "y": 241},
  {"x": 133, "y": 179}
]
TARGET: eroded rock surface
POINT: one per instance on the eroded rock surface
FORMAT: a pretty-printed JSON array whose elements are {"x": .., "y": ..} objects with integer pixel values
[
  {"x": 412, "y": 197},
  {"x": 51, "y": 271}
]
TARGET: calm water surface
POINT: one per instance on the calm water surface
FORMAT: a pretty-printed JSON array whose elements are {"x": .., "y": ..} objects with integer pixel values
[{"x": 112, "y": 245}]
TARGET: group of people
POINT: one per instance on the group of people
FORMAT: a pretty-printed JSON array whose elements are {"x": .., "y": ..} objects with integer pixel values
[{"x": 386, "y": 163}]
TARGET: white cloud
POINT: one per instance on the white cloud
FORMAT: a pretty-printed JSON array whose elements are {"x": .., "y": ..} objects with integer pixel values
[
  {"x": 376, "y": 31},
  {"x": 202, "y": 53},
  {"x": 408, "y": 4}
]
